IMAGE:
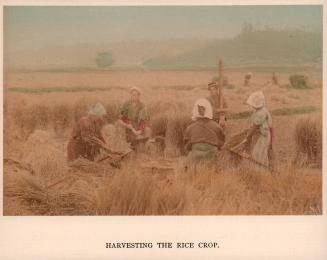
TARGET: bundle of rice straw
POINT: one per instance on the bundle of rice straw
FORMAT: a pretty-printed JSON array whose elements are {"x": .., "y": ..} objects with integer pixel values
[
  {"x": 299, "y": 82},
  {"x": 308, "y": 139},
  {"x": 176, "y": 126},
  {"x": 115, "y": 137},
  {"x": 46, "y": 155}
]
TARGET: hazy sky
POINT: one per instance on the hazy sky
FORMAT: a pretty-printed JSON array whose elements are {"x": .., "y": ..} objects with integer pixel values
[{"x": 34, "y": 27}]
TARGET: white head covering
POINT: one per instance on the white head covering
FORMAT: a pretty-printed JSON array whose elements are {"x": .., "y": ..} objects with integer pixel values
[
  {"x": 256, "y": 99},
  {"x": 207, "y": 109},
  {"x": 136, "y": 89},
  {"x": 97, "y": 110}
]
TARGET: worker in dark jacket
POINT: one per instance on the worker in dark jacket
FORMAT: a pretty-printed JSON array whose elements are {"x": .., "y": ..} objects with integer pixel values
[
  {"x": 86, "y": 134},
  {"x": 204, "y": 137}
]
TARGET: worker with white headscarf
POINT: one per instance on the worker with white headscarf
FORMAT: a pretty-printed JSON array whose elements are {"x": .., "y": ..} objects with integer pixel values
[
  {"x": 260, "y": 134},
  {"x": 86, "y": 133},
  {"x": 204, "y": 137}
]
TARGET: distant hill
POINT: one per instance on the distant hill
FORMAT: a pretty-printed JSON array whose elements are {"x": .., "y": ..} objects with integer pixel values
[
  {"x": 251, "y": 47},
  {"x": 260, "y": 47},
  {"x": 126, "y": 54}
]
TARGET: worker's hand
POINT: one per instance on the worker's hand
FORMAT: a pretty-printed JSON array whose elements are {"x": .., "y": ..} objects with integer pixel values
[
  {"x": 222, "y": 124},
  {"x": 248, "y": 139},
  {"x": 129, "y": 126},
  {"x": 135, "y": 131},
  {"x": 121, "y": 122},
  {"x": 138, "y": 132},
  {"x": 246, "y": 155}
]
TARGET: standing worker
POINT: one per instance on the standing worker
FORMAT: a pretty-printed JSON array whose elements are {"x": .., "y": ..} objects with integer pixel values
[
  {"x": 260, "y": 135},
  {"x": 219, "y": 114},
  {"x": 216, "y": 98}
]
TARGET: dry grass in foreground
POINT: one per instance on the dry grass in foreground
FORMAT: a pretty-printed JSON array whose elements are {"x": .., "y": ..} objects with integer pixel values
[{"x": 133, "y": 191}]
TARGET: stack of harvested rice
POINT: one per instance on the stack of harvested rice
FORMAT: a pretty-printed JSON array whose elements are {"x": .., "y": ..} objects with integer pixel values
[
  {"x": 75, "y": 195},
  {"x": 299, "y": 81},
  {"x": 115, "y": 137},
  {"x": 45, "y": 154},
  {"x": 308, "y": 139}
]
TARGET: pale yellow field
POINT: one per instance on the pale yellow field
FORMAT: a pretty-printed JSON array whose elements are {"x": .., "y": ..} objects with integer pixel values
[{"x": 37, "y": 127}]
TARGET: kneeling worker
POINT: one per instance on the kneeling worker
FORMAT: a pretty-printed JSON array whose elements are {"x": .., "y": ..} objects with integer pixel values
[
  {"x": 204, "y": 137},
  {"x": 86, "y": 135}
]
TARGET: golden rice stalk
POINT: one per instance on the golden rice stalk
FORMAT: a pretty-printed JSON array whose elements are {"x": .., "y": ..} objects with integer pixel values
[
  {"x": 158, "y": 125},
  {"x": 61, "y": 117},
  {"x": 113, "y": 110},
  {"x": 176, "y": 126},
  {"x": 308, "y": 139}
]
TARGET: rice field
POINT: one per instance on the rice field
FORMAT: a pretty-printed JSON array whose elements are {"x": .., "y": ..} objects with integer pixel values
[{"x": 41, "y": 108}]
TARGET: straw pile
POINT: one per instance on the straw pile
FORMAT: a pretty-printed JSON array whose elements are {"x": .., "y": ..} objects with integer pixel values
[
  {"x": 71, "y": 195},
  {"x": 115, "y": 137},
  {"x": 45, "y": 154},
  {"x": 299, "y": 82},
  {"x": 308, "y": 139}
]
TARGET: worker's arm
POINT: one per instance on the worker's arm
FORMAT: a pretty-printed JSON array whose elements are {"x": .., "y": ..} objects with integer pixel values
[
  {"x": 143, "y": 119},
  {"x": 254, "y": 128}
]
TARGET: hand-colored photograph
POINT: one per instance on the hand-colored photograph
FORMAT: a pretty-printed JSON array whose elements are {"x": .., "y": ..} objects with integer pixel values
[{"x": 162, "y": 110}]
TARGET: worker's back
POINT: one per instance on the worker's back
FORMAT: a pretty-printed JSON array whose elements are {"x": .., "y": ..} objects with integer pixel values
[{"x": 204, "y": 131}]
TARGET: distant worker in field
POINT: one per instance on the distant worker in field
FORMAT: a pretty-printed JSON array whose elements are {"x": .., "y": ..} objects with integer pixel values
[
  {"x": 274, "y": 79},
  {"x": 219, "y": 114},
  {"x": 134, "y": 117},
  {"x": 204, "y": 137},
  {"x": 247, "y": 78},
  {"x": 260, "y": 135},
  {"x": 86, "y": 135}
]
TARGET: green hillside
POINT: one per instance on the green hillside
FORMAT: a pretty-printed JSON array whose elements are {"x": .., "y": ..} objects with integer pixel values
[{"x": 260, "y": 47}]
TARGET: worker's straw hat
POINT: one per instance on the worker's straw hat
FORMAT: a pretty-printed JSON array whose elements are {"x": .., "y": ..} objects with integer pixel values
[
  {"x": 256, "y": 99},
  {"x": 97, "y": 110}
]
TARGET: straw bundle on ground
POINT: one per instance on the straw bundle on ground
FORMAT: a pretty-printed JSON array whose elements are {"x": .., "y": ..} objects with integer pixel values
[
  {"x": 239, "y": 191},
  {"x": 75, "y": 195},
  {"x": 45, "y": 154},
  {"x": 308, "y": 139}
]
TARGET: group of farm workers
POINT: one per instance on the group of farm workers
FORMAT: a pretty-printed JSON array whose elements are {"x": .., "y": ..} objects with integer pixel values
[{"x": 203, "y": 138}]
